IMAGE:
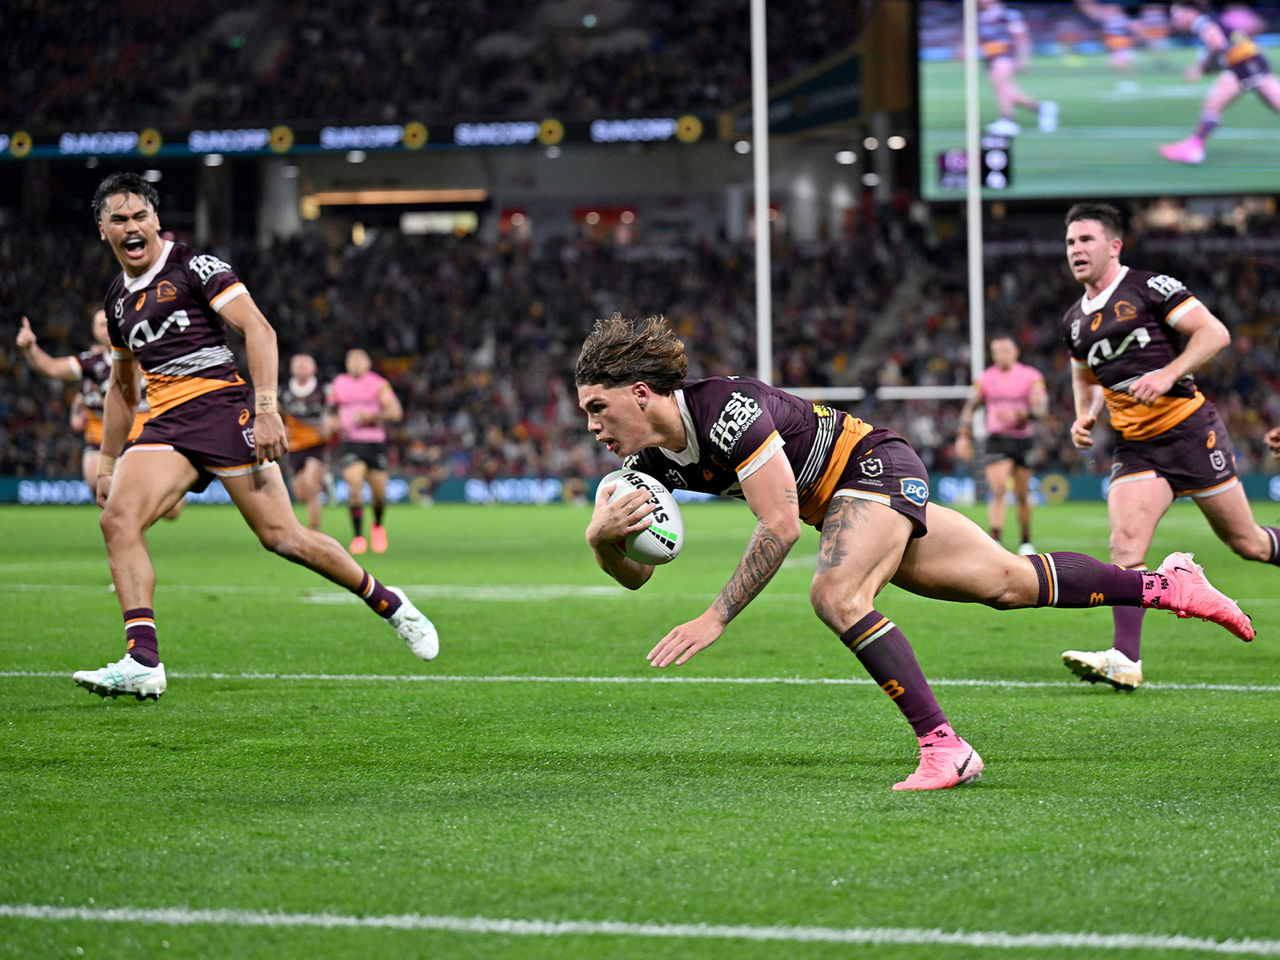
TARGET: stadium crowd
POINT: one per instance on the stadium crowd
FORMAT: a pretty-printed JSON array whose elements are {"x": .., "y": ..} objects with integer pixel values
[
  {"x": 479, "y": 338},
  {"x": 238, "y": 63}
]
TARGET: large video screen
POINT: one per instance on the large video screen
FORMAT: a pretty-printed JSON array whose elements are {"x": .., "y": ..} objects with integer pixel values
[{"x": 1102, "y": 98}]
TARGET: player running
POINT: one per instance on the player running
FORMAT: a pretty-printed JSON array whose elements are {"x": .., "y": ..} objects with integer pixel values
[
  {"x": 1004, "y": 42},
  {"x": 362, "y": 402},
  {"x": 1135, "y": 337},
  {"x": 302, "y": 403},
  {"x": 1011, "y": 393},
  {"x": 166, "y": 313},
  {"x": 1243, "y": 68},
  {"x": 863, "y": 487}
]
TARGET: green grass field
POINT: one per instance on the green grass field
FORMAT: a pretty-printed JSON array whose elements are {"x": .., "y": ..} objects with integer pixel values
[
  {"x": 306, "y": 788},
  {"x": 1111, "y": 128}
]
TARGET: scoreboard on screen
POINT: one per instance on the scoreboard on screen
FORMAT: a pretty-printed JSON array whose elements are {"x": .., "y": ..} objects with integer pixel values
[{"x": 997, "y": 165}]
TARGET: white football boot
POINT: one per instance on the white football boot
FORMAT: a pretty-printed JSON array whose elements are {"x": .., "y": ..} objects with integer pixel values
[
  {"x": 414, "y": 629},
  {"x": 126, "y": 675},
  {"x": 1109, "y": 666}
]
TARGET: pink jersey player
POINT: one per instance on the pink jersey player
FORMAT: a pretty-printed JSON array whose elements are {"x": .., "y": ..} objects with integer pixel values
[
  {"x": 1006, "y": 396},
  {"x": 358, "y": 400}
]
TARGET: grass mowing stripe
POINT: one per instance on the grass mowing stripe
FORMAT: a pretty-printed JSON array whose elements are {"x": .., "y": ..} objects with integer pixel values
[
  {"x": 744, "y": 681},
  {"x": 998, "y": 940}
]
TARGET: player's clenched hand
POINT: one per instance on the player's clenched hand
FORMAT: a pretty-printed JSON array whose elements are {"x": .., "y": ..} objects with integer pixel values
[
  {"x": 1273, "y": 441},
  {"x": 612, "y": 522},
  {"x": 103, "y": 489},
  {"x": 1082, "y": 431},
  {"x": 269, "y": 439},
  {"x": 1150, "y": 387},
  {"x": 686, "y": 640}
]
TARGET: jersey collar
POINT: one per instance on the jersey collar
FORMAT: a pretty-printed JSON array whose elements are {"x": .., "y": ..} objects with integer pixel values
[
  {"x": 1088, "y": 306},
  {"x": 690, "y": 453},
  {"x": 134, "y": 284}
]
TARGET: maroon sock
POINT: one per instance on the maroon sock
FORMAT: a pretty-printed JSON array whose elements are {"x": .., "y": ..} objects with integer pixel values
[
  {"x": 380, "y": 600},
  {"x": 1128, "y": 632},
  {"x": 996, "y": 532},
  {"x": 1078, "y": 580},
  {"x": 377, "y": 514},
  {"x": 357, "y": 520},
  {"x": 140, "y": 636},
  {"x": 887, "y": 655},
  {"x": 1273, "y": 534}
]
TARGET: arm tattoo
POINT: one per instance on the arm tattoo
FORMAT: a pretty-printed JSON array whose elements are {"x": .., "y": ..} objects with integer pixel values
[
  {"x": 764, "y": 555},
  {"x": 843, "y": 516}
]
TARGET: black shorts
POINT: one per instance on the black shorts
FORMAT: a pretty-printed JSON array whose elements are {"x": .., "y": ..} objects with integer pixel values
[
  {"x": 372, "y": 455},
  {"x": 1017, "y": 449},
  {"x": 1195, "y": 456},
  {"x": 296, "y": 460},
  {"x": 883, "y": 468}
]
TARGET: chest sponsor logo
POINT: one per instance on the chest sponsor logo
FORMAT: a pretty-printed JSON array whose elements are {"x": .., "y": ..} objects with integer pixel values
[
  {"x": 144, "y": 333},
  {"x": 738, "y": 414},
  {"x": 916, "y": 490},
  {"x": 871, "y": 468},
  {"x": 205, "y": 266}
]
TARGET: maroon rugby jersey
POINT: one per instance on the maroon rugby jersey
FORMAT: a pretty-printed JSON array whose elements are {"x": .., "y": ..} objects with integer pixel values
[
  {"x": 303, "y": 415},
  {"x": 168, "y": 319},
  {"x": 1128, "y": 330},
  {"x": 733, "y": 425}
]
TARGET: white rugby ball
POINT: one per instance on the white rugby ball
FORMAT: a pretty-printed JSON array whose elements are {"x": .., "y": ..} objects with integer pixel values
[{"x": 662, "y": 540}]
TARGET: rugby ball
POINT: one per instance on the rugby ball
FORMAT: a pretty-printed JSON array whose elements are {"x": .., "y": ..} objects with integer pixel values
[{"x": 662, "y": 540}]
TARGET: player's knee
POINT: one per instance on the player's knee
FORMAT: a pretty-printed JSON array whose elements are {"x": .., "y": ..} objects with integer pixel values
[
  {"x": 836, "y": 607},
  {"x": 1249, "y": 546}
]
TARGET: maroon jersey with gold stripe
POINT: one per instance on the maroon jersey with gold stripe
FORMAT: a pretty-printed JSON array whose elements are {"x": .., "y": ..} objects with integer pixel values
[
  {"x": 733, "y": 425},
  {"x": 168, "y": 319},
  {"x": 1128, "y": 330}
]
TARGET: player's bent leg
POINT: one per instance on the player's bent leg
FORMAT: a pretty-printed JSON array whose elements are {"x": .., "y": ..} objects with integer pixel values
[
  {"x": 147, "y": 481},
  {"x": 998, "y": 474},
  {"x": 264, "y": 503},
  {"x": 955, "y": 560},
  {"x": 1232, "y": 520},
  {"x": 861, "y": 546}
]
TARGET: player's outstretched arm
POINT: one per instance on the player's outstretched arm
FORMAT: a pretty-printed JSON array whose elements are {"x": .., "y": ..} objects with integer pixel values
[
  {"x": 59, "y": 368},
  {"x": 771, "y": 494},
  {"x": 610, "y": 524}
]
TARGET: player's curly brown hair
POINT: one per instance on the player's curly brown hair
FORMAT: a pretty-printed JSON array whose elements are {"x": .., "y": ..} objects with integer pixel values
[{"x": 621, "y": 350}]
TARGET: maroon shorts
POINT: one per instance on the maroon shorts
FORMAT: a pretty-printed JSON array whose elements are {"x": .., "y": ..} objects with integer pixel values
[
  {"x": 214, "y": 431},
  {"x": 883, "y": 468},
  {"x": 1195, "y": 456}
]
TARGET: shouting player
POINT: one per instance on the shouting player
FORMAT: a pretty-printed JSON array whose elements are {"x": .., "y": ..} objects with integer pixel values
[
  {"x": 167, "y": 312},
  {"x": 795, "y": 462},
  {"x": 1135, "y": 338}
]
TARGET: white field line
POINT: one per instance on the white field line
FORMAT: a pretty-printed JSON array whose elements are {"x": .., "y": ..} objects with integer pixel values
[
  {"x": 659, "y": 679},
  {"x": 992, "y": 939}
]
